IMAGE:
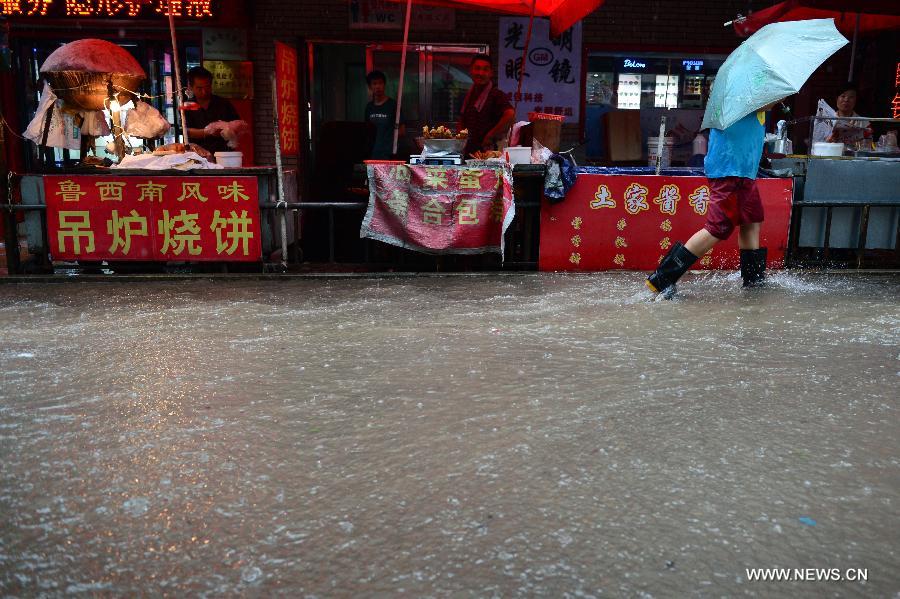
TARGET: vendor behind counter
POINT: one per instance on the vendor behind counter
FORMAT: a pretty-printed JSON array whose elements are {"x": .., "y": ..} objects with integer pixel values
[{"x": 210, "y": 108}]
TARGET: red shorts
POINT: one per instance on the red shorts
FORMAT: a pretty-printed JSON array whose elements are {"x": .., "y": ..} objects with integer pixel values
[{"x": 732, "y": 201}]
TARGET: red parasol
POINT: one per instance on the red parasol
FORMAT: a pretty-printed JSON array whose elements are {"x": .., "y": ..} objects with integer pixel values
[
  {"x": 562, "y": 13},
  {"x": 873, "y": 15},
  {"x": 863, "y": 16}
]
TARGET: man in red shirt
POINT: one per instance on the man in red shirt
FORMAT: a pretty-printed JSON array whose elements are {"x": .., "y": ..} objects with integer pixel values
[{"x": 486, "y": 112}]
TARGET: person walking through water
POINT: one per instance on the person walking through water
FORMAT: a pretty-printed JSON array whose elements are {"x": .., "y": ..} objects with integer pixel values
[{"x": 731, "y": 166}]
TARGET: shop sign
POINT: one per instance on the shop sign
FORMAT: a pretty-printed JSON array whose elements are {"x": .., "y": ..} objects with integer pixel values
[
  {"x": 224, "y": 44},
  {"x": 629, "y": 222},
  {"x": 552, "y": 72},
  {"x": 382, "y": 14},
  {"x": 692, "y": 65},
  {"x": 630, "y": 63},
  {"x": 288, "y": 98},
  {"x": 120, "y": 9},
  {"x": 439, "y": 209},
  {"x": 895, "y": 103},
  {"x": 186, "y": 218},
  {"x": 231, "y": 78}
]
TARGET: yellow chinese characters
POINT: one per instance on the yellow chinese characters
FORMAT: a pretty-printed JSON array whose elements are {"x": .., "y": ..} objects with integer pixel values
[
  {"x": 289, "y": 139},
  {"x": 190, "y": 191},
  {"x": 122, "y": 228},
  {"x": 470, "y": 179},
  {"x": 180, "y": 232},
  {"x": 636, "y": 198},
  {"x": 399, "y": 203},
  {"x": 232, "y": 231},
  {"x": 576, "y": 223},
  {"x": 619, "y": 259},
  {"x": 700, "y": 199},
  {"x": 400, "y": 173},
  {"x": 665, "y": 243},
  {"x": 497, "y": 210},
  {"x": 576, "y": 240},
  {"x": 150, "y": 191},
  {"x": 468, "y": 212},
  {"x": 666, "y": 225},
  {"x": 621, "y": 243},
  {"x": 621, "y": 224},
  {"x": 436, "y": 177},
  {"x": 667, "y": 199},
  {"x": 575, "y": 258},
  {"x": 433, "y": 213},
  {"x": 75, "y": 225},
  {"x": 288, "y": 113},
  {"x": 110, "y": 191},
  {"x": 234, "y": 191},
  {"x": 70, "y": 191},
  {"x": 603, "y": 199}
]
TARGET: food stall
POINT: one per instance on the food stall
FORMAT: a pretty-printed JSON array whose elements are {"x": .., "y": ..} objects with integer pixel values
[
  {"x": 846, "y": 206},
  {"x": 627, "y": 218},
  {"x": 172, "y": 204}
]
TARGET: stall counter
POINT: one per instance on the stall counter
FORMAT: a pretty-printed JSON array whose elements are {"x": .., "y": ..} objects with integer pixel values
[{"x": 628, "y": 218}]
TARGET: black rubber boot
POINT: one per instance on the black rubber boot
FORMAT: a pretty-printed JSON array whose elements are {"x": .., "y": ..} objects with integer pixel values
[
  {"x": 675, "y": 264},
  {"x": 753, "y": 267}
]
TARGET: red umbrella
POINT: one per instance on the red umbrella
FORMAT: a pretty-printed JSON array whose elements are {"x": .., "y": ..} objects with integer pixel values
[
  {"x": 562, "y": 13},
  {"x": 873, "y": 15},
  {"x": 863, "y": 16}
]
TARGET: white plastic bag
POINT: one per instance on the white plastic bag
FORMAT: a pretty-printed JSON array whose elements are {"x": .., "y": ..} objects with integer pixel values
[
  {"x": 231, "y": 131},
  {"x": 145, "y": 121},
  {"x": 63, "y": 133}
]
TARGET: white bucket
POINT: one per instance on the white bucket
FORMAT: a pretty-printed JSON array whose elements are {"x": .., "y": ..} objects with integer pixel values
[
  {"x": 821, "y": 148},
  {"x": 653, "y": 146},
  {"x": 230, "y": 159},
  {"x": 518, "y": 154}
]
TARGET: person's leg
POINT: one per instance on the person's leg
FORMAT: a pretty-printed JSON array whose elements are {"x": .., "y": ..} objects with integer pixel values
[
  {"x": 701, "y": 242},
  {"x": 749, "y": 236},
  {"x": 753, "y": 258},
  {"x": 681, "y": 257}
]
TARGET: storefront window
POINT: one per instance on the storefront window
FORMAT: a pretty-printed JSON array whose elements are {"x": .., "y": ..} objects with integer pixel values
[{"x": 649, "y": 85}]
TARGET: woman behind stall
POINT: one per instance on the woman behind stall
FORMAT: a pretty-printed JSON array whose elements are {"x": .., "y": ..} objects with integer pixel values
[{"x": 842, "y": 131}]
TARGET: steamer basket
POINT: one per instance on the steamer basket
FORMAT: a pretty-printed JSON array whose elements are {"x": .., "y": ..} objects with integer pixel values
[{"x": 88, "y": 91}]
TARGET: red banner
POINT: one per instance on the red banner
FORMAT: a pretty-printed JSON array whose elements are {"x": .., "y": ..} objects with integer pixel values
[
  {"x": 153, "y": 218},
  {"x": 439, "y": 209},
  {"x": 629, "y": 222},
  {"x": 288, "y": 98}
]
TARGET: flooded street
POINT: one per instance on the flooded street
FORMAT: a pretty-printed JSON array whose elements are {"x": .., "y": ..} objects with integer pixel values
[{"x": 462, "y": 436}]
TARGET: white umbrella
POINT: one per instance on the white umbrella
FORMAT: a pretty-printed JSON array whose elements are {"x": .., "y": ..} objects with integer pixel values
[{"x": 770, "y": 65}]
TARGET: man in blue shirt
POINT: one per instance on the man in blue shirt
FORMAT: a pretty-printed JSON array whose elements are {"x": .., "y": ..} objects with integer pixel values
[{"x": 731, "y": 166}]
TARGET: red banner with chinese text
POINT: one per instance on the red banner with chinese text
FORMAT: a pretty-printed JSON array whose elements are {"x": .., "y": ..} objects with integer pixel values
[
  {"x": 153, "y": 218},
  {"x": 629, "y": 222},
  {"x": 439, "y": 209},
  {"x": 288, "y": 98}
]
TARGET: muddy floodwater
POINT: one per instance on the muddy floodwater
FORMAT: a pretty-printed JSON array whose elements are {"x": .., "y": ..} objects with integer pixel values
[{"x": 546, "y": 435}]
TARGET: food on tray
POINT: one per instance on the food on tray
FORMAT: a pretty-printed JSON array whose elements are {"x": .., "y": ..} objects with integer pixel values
[
  {"x": 442, "y": 132},
  {"x": 167, "y": 149},
  {"x": 485, "y": 155},
  {"x": 179, "y": 148}
]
